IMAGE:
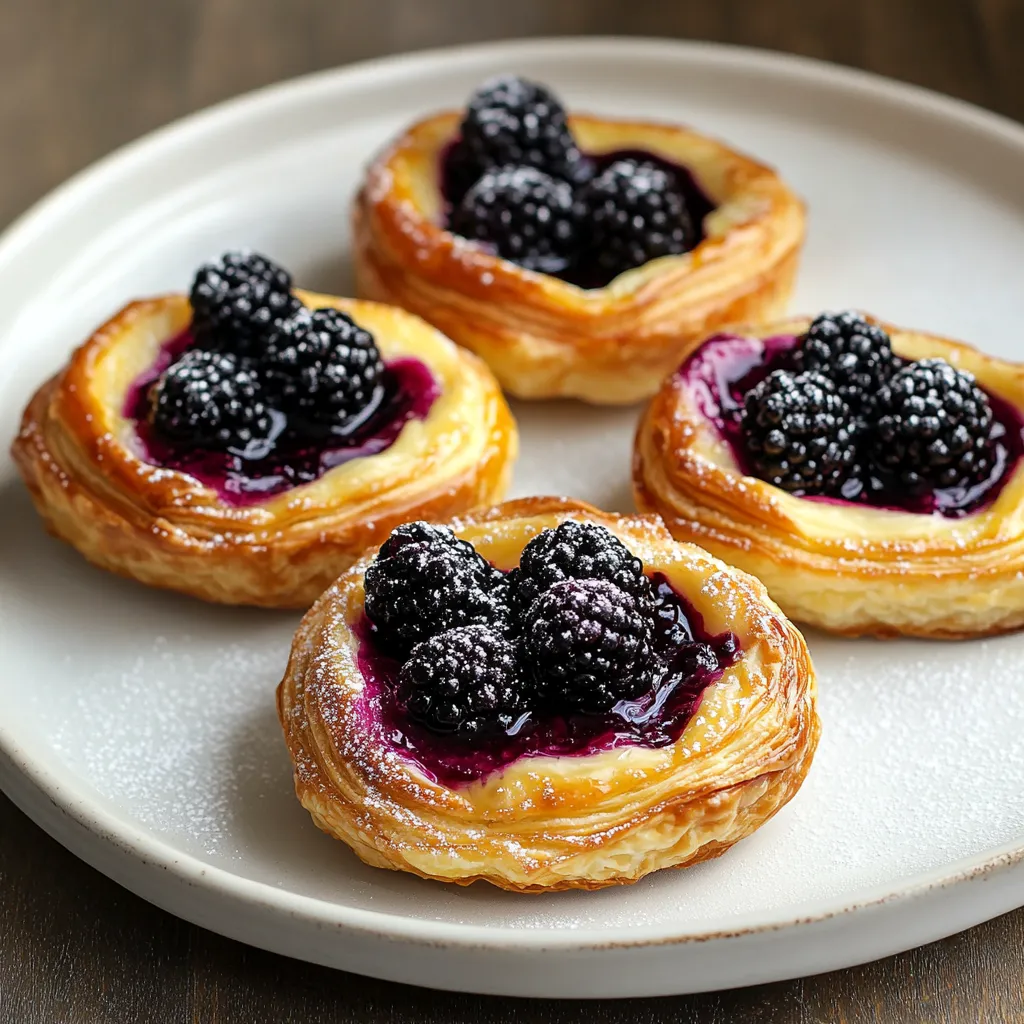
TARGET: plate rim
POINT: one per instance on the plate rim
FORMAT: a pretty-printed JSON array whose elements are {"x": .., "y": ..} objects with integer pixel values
[{"x": 145, "y": 845}]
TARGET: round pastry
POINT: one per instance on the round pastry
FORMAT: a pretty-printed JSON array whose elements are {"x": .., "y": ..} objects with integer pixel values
[
  {"x": 870, "y": 476},
  {"x": 579, "y": 256},
  {"x": 548, "y": 697},
  {"x": 246, "y": 443}
]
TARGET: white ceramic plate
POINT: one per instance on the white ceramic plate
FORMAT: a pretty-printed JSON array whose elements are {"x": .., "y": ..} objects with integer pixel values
[{"x": 139, "y": 729}]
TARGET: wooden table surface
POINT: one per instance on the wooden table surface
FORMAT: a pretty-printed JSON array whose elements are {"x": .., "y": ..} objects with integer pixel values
[{"x": 79, "y": 78}]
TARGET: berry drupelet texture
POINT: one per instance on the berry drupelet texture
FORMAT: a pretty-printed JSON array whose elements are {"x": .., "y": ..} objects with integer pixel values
[
  {"x": 210, "y": 400},
  {"x": 323, "y": 370},
  {"x": 512, "y": 121},
  {"x": 798, "y": 433},
  {"x": 425, "y": 581},
  {"x": 933, "y": 427},
  {"x": 588, "y": 646},
  {"x": 633, "y": 212},
  {"x": 420, "y": 532},
  {"x": 855, "y": 355},
  {"x": 527, "y": 215},
  {"x": 464, "y": 681},
  {"x": 236, "y": 301},
  {"x": 578, "y": 550}
]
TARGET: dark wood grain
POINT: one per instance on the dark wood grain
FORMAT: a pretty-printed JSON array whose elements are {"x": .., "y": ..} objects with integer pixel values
[{"x": 78, "y": 79}]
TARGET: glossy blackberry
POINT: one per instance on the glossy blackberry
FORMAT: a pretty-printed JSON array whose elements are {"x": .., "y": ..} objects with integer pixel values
[
  {"x": 465, "y": 681},
  {"x": 798, "y": 433},
  {"x": 634, "y": 212},
  {"x": 525, "y": 214},
  {"x": 588, "y": 646},
  {"x": 933, "y": 427},
  {"x": 323, "y": 370},
  {"x": 512, "y": 121},
  {"x": 424, "y": 581},
  {"x": 575, "y": 550},
  {"x": 210, "y": 400},
  {"x": 236, "y": 299},
  {"x": 855, "y": 355}
]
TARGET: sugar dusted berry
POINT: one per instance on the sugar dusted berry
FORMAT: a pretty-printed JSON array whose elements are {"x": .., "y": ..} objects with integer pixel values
[
  {"x": 578, "y": 550},
  {"x": 634, "y": 212},
  {"x": 420, "y": 532},
  {"x": 465, "y": 681},
  {"x": 424, "y": 581},
  {"x": 589, "y": 646}
]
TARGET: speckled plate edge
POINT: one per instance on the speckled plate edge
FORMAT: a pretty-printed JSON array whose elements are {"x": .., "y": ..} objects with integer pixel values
[{"x": 820, "y": 936}]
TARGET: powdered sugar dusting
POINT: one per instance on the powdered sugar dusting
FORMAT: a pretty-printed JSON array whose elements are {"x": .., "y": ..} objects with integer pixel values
[{"x": 175, "y": 730}]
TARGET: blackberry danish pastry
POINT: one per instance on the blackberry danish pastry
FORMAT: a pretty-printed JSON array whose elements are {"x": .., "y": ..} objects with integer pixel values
[
  {"x": 580, "y": 256},
  {"x": 545, "y": 697},
  {"x": 871, "y": 476},
  {"x": 243, "y": 444}
]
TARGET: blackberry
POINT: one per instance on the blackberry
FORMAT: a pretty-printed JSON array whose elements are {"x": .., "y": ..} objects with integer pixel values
[
  {"x": 634, "y": 212},
  {"x": 461, "y": 172},
  {"x": 465, "y": 681},
  {"x": 589, "y": 646},
  {"x": 527, "y": 216},
  {"x": 211, "y": 400},
  {"x": 855, "y": 355},
  {"x": 424, "y": 581},
  {"x": 933, "y": 427},
  {"x": 695, "y": 658},
  {"x": 323, "y": 370},
  {"x": 574, "y": 550},
  {"x": 420, "y": 532},
  {"x": 798, "y": 432},
  {"x": 510, "y": 120},
  {"x": 236, "y": 299}
]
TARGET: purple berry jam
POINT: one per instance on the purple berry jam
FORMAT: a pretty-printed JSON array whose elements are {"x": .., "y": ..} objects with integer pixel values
[
  {"x": 286, "y": 461},
  {"x": 720, "y": 373},
  {"x": 584, "y": 273},
  {"x": 654, "y": 720}
]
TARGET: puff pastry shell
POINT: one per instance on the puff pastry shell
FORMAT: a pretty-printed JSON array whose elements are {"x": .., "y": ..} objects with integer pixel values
[
  {"x": 846, "y": 568},
  {"x": 77, "y": 455},
  {"x": 545, "y": 338},
  {"x": 545, "y": 823}
]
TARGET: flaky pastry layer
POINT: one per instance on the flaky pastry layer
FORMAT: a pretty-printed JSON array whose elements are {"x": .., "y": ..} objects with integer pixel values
[
  {"x": 846, "y": 568},
  {"x": 80, "y": 459},
  {"x": 545, "y": 338},
  {"x": 545, "y": 823}
]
